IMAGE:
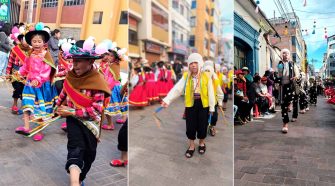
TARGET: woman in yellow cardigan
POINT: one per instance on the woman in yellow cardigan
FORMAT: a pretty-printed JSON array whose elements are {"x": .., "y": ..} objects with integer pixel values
[{"x": 199, "y": 102}]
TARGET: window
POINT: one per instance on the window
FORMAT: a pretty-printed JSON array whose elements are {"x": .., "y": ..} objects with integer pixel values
[
  {"x": 206, "y": 43},
  {"x": 49, "y": 3},
  {"x": 294, "y": 57},
  {"x": 182, "y": 38},
  {"x": 212, "y": 12},
  {"x": 73, "y": 2},
  {"x": 192, "y": 41},
  {"x": 173, "y": 35},
  {"x": 206, "y": 26},
  {"x": 124, "y": 17},
  {"x": 212, "y": 25},
  {"x": 207, "y": 10},
  {"x": 160, "y": 17},
  {"x": 181, "y": 9},
  {"x": 194, "y": 4},
  {"x": 97, "y": 17},
  {"x": 26, "y": 4},
  {"x": 175, "y": 4},
  {"x": 193, "y": 21},
  {"x": 133, "y": 37},
  {"x": 293, "y": 39}
]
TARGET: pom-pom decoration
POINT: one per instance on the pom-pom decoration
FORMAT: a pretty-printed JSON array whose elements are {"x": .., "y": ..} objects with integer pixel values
[
  {"x": 101, "y": 48},
  {"x": 39, "y": 26},
  {"x": 66, "y": 47},
  {"x": 22, "y": 30},
  {"x": 88, "y": 44}
]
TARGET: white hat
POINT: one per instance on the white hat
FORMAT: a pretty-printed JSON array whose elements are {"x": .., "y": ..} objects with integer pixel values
[
  {"x": 195, "y": 57},
  {"x": 209, "y": 68},
  {"x": 271, "y": 70},
  {"x": 217, "y": 67},
  {"x": 209, "y": 63},
  {"x": 245, "y": 68}
]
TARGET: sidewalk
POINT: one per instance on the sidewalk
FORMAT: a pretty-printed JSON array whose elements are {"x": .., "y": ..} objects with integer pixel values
[{"x": 303, "y": 156}]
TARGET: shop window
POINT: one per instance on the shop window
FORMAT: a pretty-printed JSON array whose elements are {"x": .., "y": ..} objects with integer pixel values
[
  {"x": 133, "y": 39},
  {"x": 97, "y": 17},
  {"x": 26, "y": 4},
  {"x": 124, "y": 18}
]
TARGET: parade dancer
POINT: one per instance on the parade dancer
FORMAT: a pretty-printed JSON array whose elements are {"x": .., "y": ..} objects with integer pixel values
[
  {"x": 161, "y": 83},
  {"x": 209, "y": 67},
  {"x": 39, "y": 69},
  {"x": 150, "y": 83},
  {"x": 170, "y": 77},
  {"x": 113, "y": 56},
  {"x": 85, "y": 92},
  {"x": 313, "y": 91},
  {"x": 16, "y": 59},
  {"x": 199, "y": 102},
  {"x": 138, "y": 96},
  {"x": 296, "y": 93},
  {"x": 303, "y": 103},
  {"x": 287, "y": 72}
]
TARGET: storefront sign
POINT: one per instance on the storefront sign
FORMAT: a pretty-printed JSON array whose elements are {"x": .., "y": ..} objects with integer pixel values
[
  {"x": 154, "y": 48},
  {"x": 5, "y": 10},
  {"x": 179, "y": 47}
]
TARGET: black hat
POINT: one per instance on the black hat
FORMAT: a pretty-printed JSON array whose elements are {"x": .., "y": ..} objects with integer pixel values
[
  {"x": 20, "y": 37},
  {"x": 38, "y": 31},
  {"x": 77, "y": 53}
]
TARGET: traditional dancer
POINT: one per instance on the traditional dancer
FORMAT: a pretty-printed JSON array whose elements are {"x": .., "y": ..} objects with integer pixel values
[
  {"x": 287, "y": 72},
  {"x": 199, "y": 102},
  {"x": 85, "y": 92},
  {"x": 209, "y": 67},
  {"x": 170, "y": 77},
  {"x": 150, "y": 82},
  {"x": 39, "y": 94},
  {"x": 113, "y": 55},
  {"x": 138, "y": 96},
  {"x": 16, "y": 59},
  {"x": 313, "y": 95},
  {"x": 303, "y": 103},
  {"x": 161, "y": 83}
]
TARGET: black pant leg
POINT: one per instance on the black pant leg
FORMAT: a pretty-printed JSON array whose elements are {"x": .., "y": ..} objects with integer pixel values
[
  {"x": 295, "y": 106},
  {"x": 215, "y": 116},
  {"x": 202, "y": 119},
  {"x": 123, "y": 137},
  {"x": 191, "y": 121}
]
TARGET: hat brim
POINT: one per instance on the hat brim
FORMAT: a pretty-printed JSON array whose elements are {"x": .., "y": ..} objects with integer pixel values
[
  {"x": 85, "y": 57},
  {"x": 29, "y": 35}
]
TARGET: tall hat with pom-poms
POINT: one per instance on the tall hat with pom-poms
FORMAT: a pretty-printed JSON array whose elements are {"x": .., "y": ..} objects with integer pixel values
[
  {"x": 36, "y": 29},
  {"x": 81, "y": 49}
]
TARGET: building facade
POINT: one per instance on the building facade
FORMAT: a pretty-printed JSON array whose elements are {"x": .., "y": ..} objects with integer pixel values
[
  {"x": 205, "y": 26},
  {"x": 291, "y": 38},
  {"x": 181, "y": 30},
  {"x": 330, "y": 59},
  {"x": 252, "y": 46},
  {"x": 82, "y": 18}
]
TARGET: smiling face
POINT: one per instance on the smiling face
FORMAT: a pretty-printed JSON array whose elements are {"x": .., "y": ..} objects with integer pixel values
[
  {"x": 37, "y": 42},
  {"x": 81, "y": 66}
]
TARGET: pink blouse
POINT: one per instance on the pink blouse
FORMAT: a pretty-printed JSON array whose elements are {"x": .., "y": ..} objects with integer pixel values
[{"x": 34, "y": 68}]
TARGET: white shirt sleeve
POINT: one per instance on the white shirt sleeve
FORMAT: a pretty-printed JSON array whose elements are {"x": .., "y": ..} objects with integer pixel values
[
  {"x": 134, "y": 80},
  {"x": 175, "y": 92},
  {"x": 211, "y": 96}
]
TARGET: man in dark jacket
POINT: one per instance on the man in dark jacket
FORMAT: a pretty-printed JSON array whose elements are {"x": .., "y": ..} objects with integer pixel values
[{"x": 53, "y": 45}]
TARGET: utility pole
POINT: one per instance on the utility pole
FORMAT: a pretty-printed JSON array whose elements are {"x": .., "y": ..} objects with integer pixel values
[{"x": 30, "y": 11}]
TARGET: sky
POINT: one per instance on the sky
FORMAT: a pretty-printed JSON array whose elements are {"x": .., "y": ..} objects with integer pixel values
[
  {"x": 323, "y": 12},
  {"x": 227, "y": 14}
]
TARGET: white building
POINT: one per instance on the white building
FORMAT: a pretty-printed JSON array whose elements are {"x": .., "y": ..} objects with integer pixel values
[
  {"x": 330, "y": 61},
  {"x": 180, "y": 12}
]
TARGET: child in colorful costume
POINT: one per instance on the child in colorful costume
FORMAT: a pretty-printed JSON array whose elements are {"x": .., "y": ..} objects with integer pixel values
[
  {"x": 39, "y": 94},
  {"x": 16, "y": 59},
  {"x": 110, "y": 68},
  {"x": 199, "y": 102},
  {"x": 85, "y": 92}
]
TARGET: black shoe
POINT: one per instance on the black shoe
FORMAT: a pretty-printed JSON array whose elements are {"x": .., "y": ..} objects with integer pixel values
[
  {"x": 189, "y": 153},
  {"x": 202, "y": 149}
]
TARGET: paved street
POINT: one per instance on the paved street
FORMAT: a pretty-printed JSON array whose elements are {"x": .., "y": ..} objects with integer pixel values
[
  {"x": 25, "y": 162},
  {"x": 304, "y": 156},
  {"x": 157, "y": 154}
]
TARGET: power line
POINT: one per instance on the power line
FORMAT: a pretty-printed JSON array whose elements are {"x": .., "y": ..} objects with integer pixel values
[{"x": 315, "y": 12}]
